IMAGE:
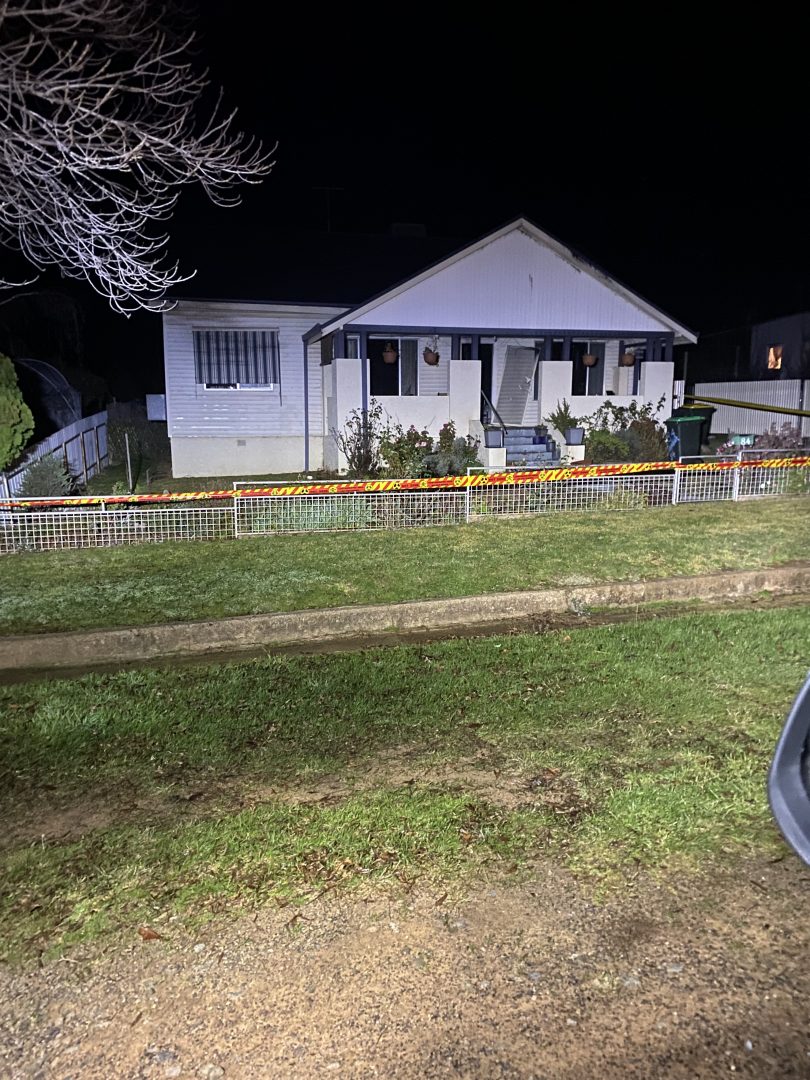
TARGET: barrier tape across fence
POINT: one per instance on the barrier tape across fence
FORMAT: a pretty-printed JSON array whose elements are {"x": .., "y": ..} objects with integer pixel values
[{"x": 442, "y": 483}]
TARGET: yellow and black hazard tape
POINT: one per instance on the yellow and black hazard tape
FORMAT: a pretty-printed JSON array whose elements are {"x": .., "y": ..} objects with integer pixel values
[{"x": 432, "y": 483}]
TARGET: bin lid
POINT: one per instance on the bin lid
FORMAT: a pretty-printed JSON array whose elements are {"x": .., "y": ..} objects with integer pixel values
[{"x": 685, "y": 419}]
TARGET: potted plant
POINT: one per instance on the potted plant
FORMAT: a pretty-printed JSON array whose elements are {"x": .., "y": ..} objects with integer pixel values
[
  {"x": 431, "y": 352},
  {"x": 627, "y": 359},
  {"x": 589, "y": 359},
  {"x": 493, "y": 436},
  {"x": 566, "y": 423},
  {"x": 389, "y": 353}
]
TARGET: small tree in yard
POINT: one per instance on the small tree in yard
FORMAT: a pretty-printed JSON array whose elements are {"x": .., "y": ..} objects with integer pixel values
[
  {"x": 46, "y": 477},
  {"x": 16, "y": 421},
  {"x": 361, "y": 439}
]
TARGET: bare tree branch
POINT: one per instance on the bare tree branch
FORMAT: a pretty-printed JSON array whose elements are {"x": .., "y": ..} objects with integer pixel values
[{"x": 99, "y": 131}]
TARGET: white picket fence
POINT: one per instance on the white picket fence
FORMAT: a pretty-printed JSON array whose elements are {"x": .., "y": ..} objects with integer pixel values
[{"x": 82, "y": 445}]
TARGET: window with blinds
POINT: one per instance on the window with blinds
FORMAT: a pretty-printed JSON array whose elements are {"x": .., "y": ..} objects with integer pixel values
[{"x": 236, "y": 359}]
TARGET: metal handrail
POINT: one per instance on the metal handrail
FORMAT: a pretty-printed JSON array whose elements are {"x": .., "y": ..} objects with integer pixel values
[{"x": 494, "y": 412}]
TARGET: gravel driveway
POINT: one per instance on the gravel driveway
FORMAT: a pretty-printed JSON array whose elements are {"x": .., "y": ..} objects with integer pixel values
[{"x": 686, "y": 977}]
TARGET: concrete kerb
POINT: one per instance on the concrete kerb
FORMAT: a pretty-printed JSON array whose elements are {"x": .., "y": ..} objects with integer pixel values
[{"x": 247, "y": 634}]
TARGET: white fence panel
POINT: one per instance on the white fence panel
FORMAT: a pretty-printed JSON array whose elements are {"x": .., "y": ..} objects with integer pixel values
[
  {"x": 731, "y": 420},
  {"x": 82, "y": 444}
]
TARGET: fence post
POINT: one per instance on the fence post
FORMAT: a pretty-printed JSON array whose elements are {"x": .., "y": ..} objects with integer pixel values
[
  {"x": 468, "y": 504},
  {"x": 84, "y": 458},
  {"x": 235, "y": 515},
  {"x": 735, "y": 483},
  {"x": 676, "y": 486},
  {"x": 129, "y": 463}
]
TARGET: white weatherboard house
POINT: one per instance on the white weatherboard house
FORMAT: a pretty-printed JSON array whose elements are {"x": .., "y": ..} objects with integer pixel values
[{"x": 519, "y": 323}]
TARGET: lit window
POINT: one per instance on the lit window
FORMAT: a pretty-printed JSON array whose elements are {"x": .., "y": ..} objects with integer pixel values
[{"x": 774, "y": 357}]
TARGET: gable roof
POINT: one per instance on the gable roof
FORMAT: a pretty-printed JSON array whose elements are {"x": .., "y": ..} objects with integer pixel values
[{"x": 629, "y": 310}]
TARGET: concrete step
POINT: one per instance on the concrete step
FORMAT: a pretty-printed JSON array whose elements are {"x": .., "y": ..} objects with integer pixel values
[
  {"x": 542, "y": 460},
  {"x": 524, "y": 444}
]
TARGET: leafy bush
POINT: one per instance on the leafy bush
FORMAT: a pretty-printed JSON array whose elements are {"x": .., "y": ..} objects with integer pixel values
[
  {"x": 361, "y": 439},
  {"x": 646, "y": 441},
  {"x": 603, "y": 446},
  {"x": 46, "y": 478},
  {"x": 452, "y": 455},
  {"x": 562, "y": 418},
  {"x": 16, "y": 421},
  {"x": 615, "y": 418},
  {"x": 148, "y": 439},
  {"x": 787, "y": 437},
  {"x": 403, "y": 452}
]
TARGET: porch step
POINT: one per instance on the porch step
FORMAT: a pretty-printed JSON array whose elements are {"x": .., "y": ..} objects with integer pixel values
[{"x": 543, "y": 459}]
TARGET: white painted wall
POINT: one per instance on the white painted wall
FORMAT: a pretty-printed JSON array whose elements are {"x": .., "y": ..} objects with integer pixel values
[
  {"x": 554, "y": 386},
  {"x": 253, "y": 455},
  {"x": 514, "y": 281},
  {"x": 465, "y": 395},
  {"x": 422, "y": 412},
  {"x": 656, "y": 380},
  {"x": 194, "y": 411}
]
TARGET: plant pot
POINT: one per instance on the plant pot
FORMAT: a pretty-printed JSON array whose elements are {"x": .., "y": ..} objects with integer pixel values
[
  {"x": 627, "y": 360},
  {"x": 575, "y": 436},
  {"x": 589, "y": 359},
  {"x": 431, "y": 357},
  {"x": 389, "y": 354},
  {"x": 493, "y": 438}
]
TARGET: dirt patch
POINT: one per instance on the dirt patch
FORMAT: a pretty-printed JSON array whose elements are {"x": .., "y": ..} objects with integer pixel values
[
  {"x": 683, "y": 977},
  {"x": 62, "y": 818}
]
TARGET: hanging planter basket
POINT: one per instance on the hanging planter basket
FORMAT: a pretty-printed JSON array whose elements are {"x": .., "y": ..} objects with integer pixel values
[
  {"x": 627, "y": 359},
  {"x": 589, "y": 359},
  {"x": 389, "y": 354},
  {"x": 431, "y": 357}
]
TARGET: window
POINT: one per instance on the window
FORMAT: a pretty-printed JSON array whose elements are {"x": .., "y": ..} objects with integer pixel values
[
  {"x": 236, "y": 359},
  {"x": 398, "y": 378},
  {"x": 774, "y": 358},
  {"x": 352, "y": 347},
  {"x": 588, "y": 368}
]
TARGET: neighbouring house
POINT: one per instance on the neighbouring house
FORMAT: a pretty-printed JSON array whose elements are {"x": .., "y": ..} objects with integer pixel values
[
  {"x": 491, "y": 337},
  {"x": 765, "y": 363}
]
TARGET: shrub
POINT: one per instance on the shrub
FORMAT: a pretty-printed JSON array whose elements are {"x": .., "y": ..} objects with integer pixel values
[
  {"x": 562, "y": 418},
  {"x": 148, "y": 439},
  {"x": 646, "y": 441},
  {"x": 360, "y": 441},
  {"x": 615, "y": 418},
  {"x": 403, "y": 452},
  {"x": 787, "y": 437},
  {"x": 16, "y": 421},
  {"x": 46, "y": 478},
  {"x": 460, "y": 455},
  {"x": 603, "y": 446}
]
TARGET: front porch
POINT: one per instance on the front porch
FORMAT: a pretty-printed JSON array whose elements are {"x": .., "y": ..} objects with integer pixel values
[{"x": 503, "y": 379}]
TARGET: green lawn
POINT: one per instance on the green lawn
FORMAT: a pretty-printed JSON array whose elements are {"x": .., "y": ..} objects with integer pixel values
[
  {"x": 150, "y": 584},
  {"x": 224, "y": 787}
]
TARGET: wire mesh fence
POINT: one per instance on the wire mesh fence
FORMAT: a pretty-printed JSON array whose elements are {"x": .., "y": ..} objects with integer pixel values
[
  {"x": 333, "y": 513},
  {"x": 602, "y": 493},
  {"x": 39, "y": 529},
  {"x": 52, "y": 530}
]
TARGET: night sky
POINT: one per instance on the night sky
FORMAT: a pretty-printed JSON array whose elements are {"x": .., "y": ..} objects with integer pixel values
[{"x": 680, "y": 168}]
